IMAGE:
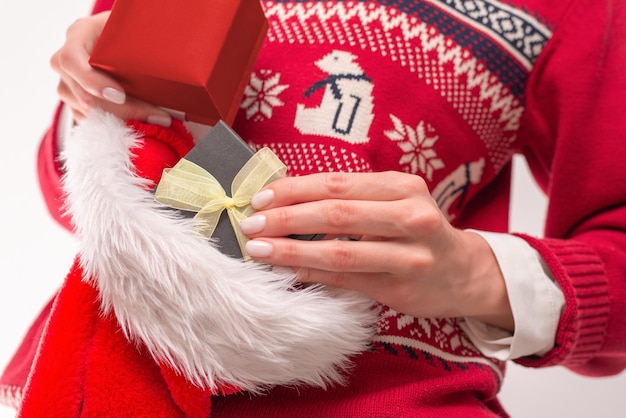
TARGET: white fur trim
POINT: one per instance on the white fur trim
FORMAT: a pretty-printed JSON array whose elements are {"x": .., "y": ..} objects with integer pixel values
[{"x": 210, "y": 317}]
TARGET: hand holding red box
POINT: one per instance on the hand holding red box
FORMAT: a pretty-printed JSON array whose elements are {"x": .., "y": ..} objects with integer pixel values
[{"x": 193, "y": 57}]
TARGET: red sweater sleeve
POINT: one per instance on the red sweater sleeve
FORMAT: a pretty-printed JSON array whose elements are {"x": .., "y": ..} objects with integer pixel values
[
  {"x": 161, "y": 148},
  {"x": 50, "y": 173},
  {"x": 574, "y": 130},
  {"x": 48, "y": 167}
]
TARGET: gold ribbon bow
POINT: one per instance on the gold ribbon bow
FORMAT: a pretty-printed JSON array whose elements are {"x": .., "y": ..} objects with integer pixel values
[{"x": 187, "y": 186}]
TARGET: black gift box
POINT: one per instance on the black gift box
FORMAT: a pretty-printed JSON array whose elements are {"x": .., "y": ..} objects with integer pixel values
[{"x": 222, "y": 153}]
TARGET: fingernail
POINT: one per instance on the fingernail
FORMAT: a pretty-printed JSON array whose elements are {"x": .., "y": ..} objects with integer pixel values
[
  {"x": 160, "y": 120},
  {"x": 259, "y": 248},
  {"x": 262, "y": 199},
  {"x": 113, "y": 95},
  {"x": 253, "y": 224}
]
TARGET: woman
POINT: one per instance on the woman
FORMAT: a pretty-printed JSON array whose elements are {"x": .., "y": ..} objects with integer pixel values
[{"x": 422, "y": 105}]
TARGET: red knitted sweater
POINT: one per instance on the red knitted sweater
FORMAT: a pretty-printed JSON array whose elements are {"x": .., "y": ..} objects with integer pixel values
[{"x": 450, "y": 91}]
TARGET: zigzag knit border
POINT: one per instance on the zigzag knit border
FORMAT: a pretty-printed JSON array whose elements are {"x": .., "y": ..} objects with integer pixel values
[
  {"x": 499, "y": 107},
  {"x": 446, "y": 358}
]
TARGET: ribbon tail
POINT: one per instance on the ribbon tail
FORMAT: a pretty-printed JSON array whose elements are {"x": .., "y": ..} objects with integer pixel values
[
  {"x": 236, "y": 216},
  {"x": 207, "y": 222}
]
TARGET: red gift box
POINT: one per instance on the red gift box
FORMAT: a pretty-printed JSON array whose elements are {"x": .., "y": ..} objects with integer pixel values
[{"x": 193, "y": 57}]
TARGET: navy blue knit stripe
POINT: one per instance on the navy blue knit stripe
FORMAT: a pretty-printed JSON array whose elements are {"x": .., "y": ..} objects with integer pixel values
[
  {"x": 411, "y": 352},
  {"x": 508, "y": 70},
  {"x": 498, "y": 61}
]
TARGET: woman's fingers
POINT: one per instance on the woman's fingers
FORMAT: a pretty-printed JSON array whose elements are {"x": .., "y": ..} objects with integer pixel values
[
  {"x": 332, "y": 256},
  {"x": 347, "y": 218},
  {"x": 409, "y": 257},
  {"x": 389, "y": 204},
  {"x": 386, "y": 271},
  {"x": 385, "y": 186},
  {"x": 83, "y": 88},
  {"x": 69, "y": 98},
  {"x": 71, "y": 61}
]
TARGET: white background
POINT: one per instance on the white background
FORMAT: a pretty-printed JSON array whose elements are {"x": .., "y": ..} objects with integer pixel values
[{"x": 35, "y": 253}]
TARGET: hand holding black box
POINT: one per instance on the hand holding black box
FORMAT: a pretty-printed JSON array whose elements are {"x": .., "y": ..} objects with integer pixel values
[{"x": 222, "y": 153}]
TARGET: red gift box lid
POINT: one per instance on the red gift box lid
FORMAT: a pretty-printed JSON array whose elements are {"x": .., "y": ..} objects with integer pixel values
[{"x": 193, "y": 57}]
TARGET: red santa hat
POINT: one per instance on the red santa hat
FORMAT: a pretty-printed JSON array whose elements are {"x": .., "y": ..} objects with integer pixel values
[{"x": 152, "y": 319}]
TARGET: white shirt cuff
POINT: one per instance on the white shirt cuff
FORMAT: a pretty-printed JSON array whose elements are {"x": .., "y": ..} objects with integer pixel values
[{"x": 536, "y": 301}]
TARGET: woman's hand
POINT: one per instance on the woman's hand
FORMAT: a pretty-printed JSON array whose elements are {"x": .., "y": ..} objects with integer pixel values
[
  {"x": 82, "y": 87},
  {"x": 402, "y": 252}
]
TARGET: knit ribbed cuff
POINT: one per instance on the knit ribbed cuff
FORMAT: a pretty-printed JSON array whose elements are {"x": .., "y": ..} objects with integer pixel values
[{"x": 579, "y": 271}]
